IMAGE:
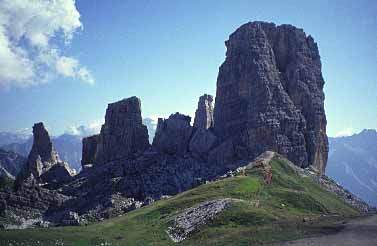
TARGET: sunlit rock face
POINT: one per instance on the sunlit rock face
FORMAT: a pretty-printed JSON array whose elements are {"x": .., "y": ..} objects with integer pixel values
[
  {"x": 270, "y": 94},
  {"x": 123, "y": 135},
  {"x": 43, "y": 163},
  {"x": 204, "y": 113}
]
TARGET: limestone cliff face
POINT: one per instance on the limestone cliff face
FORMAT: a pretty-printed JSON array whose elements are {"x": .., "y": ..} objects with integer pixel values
[
  {"x": 270, "y": 94},
  {"x": 173, "y": 134},
  {"x": 204, "y": 113},
  {"x": 123, "y": 136}
]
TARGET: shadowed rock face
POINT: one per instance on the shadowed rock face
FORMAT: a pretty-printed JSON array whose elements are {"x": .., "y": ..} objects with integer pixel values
[
  {"x": 270, "y": 94},
  {"x": 89, "y": 149},
  {"x": 123, "y": 135},
  {"x": 173, "y": 134},
  {"x": 204, "y": 113}
]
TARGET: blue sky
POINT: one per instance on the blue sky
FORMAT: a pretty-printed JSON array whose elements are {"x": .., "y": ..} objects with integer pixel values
[{"x": 168, "y": 54}]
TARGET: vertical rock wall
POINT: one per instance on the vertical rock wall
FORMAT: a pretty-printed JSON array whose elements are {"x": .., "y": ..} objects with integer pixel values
[
  {"x": 123, "y": 136},
  {"x": 270, "y": 94},
  {"x": 204, "y": 113}
]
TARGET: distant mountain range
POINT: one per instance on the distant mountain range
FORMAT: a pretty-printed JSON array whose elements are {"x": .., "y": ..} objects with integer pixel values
[
  {"x": 10, "y": 164},
  {"x": 10, "y": 138},
  {"x": 353, "y": 164}
]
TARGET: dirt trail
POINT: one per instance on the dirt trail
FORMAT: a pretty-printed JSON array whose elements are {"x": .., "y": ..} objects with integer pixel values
[{"x": 361, "y": 232}]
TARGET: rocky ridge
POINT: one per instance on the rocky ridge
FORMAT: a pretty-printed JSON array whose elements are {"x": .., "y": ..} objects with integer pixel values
[{"x": 269, "y": 97}]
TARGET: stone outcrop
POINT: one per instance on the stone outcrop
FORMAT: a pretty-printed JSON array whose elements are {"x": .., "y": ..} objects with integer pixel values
[
  {"x": 42, "y": 159},
  {"x": 204, "y": 113},
  {"x": 29, "y": 205},
  {"x": 270, "y": 94},
  {"x": 123, "y": 136},
  {"x": 173, "y": 134},
  {"x": 202, "y": 142},
  {"x": 58, "y": 174},
  {"x": 42, "y": 155},
  {"x": 192, "y": 218}
]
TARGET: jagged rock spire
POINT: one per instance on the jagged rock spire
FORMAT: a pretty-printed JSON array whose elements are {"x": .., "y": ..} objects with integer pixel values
[
  {"x": 42, "y": 159},
  {"x": 123, "y": 136},
  {"x": 270, "y": 94},
  {"x": 42, "y": 155},
  {"x": 204, "y": 113}
]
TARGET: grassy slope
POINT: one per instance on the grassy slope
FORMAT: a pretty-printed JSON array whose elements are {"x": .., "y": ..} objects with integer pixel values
[{"x": 264, "y": 213}]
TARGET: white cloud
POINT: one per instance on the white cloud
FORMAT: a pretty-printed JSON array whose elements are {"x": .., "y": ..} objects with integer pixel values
[
  {"x": 70, "y": 67},
  {"x": 84, "y": 75},
  {"x": 345, "y": 132},
  {"x": 87, "y": 130},
  {"x": 154, "y": 119},
  {"x": 72, "y": 130},
  {"x": 29, "y": 36},
  {"x": 24, "y": 131},
  {"x": 66, "y": 66}
]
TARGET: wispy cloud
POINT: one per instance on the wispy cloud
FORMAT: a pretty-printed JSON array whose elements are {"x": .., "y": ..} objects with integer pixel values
[
  {"x": 345, "y": 132},
  {"x": 86, "y": 130},
  {"x": 29, "y": 36}
]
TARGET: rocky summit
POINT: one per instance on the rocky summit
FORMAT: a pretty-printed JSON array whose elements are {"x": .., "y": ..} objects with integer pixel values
[
  {"x": 269, "y": 97},
  {"x": 270, "y": 94},
  {"x": 122, "y": 136},
  {"x": 43, "y": 162}
]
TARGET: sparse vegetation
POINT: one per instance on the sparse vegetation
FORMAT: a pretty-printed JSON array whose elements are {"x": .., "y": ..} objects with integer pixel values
[{"x": 260, "y": 214}]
